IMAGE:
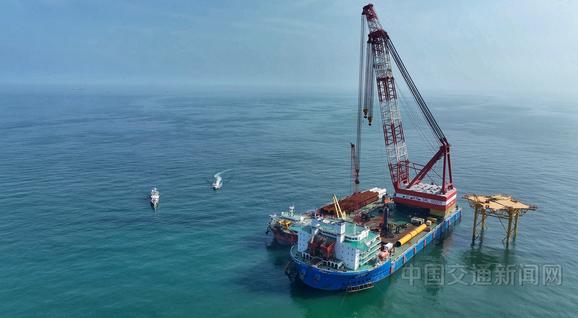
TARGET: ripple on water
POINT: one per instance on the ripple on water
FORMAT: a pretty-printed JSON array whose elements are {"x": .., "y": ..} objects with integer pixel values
[{"x": 78, "y": 238}]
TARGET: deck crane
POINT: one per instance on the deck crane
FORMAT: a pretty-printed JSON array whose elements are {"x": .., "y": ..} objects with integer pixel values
[
  {"x": 338, "y": 211},
  {"x": 406, "y": 176}
]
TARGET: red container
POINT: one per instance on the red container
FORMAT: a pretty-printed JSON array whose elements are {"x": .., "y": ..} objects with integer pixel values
[
  {"x": 353, "y": 202},
  {"x": 327, "y": 249}
]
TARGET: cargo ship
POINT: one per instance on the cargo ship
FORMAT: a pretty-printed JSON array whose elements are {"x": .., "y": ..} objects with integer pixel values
[{"x": 340, "y": 255}]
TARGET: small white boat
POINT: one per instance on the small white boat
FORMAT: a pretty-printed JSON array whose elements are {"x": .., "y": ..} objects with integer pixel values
[
  {"x": 155, "y": 197},
  {"x": 218, "y": 183}
]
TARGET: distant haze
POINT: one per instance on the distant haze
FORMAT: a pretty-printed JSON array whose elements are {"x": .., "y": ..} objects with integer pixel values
[{"x": 489, "y": 47}]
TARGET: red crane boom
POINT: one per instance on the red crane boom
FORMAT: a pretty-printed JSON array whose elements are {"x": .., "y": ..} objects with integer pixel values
[{"x": 408, "y": 190}]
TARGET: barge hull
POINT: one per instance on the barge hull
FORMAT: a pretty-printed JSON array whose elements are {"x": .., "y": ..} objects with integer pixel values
[
  {"x": 337, "y": 280},
  {"x": 284, "y": 238}
]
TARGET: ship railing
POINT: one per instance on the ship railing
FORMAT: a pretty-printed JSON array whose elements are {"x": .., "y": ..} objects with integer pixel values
[
  {"x": 331, "y": 264},
  {"x": 330, "y": 234},
  {"x": 367, "y": 258},
  {"x": 370, "y": 252},
  {"x": 369, "y": 255},
  {"x": 303, "y": 256}
]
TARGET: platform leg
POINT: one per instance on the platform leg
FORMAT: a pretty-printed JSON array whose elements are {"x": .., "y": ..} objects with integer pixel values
[
  {"x": 516, "y": 225},
  {"x": 509, "y": 232},
  {"x": 475, "y": 224}
]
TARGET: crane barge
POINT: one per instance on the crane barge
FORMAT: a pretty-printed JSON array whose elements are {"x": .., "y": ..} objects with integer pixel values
[{"x": 340, "y": 254}]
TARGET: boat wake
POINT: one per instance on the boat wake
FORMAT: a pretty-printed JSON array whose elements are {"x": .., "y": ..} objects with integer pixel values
[{"x": 218, "y": 174}]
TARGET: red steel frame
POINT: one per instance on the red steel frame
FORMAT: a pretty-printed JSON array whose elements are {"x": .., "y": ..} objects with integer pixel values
[{"x": 398, "y": 162}]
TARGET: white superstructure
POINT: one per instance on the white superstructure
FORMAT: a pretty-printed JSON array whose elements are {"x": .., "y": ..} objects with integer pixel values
[{"x": 354, "y": 245}]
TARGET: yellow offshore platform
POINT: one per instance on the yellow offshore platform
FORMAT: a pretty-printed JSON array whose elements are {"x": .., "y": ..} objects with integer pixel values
[{"x": 500, "y": 206}]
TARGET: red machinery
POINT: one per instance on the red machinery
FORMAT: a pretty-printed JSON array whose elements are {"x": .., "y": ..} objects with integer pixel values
[
  {"x": 321, "y": 247},
  {"x": 407, "y": 177},
  {"x": 327, "y": 249}
]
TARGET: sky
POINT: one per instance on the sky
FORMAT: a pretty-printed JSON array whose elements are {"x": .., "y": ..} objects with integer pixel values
[{"x": 485, "y": 47}]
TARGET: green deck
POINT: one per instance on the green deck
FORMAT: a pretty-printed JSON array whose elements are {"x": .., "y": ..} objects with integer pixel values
[{"x": 396, "y": 216}]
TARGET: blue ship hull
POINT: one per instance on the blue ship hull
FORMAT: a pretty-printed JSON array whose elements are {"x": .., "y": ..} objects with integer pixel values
[{"x": 338, "y": 280}]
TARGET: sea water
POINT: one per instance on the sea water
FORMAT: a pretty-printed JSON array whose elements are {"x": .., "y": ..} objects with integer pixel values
[{"x": 79, "y": 239}]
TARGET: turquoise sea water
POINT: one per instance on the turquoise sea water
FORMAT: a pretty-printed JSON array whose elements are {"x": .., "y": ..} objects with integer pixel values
[{"x": 78, "y": 238}]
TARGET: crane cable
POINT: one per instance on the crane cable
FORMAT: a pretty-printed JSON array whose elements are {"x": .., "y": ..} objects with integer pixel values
[
  {"x": 417, "y": 96},
  {"x": 416, "y": 121}
]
